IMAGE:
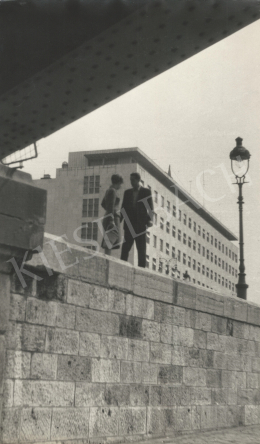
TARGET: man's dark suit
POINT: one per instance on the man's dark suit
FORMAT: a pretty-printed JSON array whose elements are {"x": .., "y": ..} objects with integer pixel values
[{"x": 136, "y": 218}]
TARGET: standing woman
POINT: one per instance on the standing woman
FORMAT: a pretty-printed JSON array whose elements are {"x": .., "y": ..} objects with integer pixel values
[{"x": 111, "y": 220}]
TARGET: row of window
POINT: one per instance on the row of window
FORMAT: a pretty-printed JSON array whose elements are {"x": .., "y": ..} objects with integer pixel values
[
  {"x": 90, "y": 207},
  {"x": 91, "y": 184},
  {"x": 89, "y": 230}
]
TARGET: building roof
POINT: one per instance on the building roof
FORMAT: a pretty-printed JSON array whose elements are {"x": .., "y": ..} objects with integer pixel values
[{"x": 143, "y": 160}]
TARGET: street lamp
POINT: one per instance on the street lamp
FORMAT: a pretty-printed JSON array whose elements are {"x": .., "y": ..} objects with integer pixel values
[{"x": 240, "y": 164}]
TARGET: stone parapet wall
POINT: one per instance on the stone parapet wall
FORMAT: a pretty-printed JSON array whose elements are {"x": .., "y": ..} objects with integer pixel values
[{"x": 102, "y": 351}]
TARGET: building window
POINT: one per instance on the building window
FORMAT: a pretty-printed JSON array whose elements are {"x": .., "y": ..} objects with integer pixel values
[
  {"x": 167, "y": 249},
  {"x": 207, "y": 237},
  {"x": 168, "y": 206},
  {"x": 174, "y": 210},
  {"x": 189, "y": 242},
  {"x": 155, "y": 219},
  {"x": 147, "y": 261},
  {"x": 154, "y": 241},
  {"x": 179, "y": 255},
  {"x": 194, "y": 264},
  {"x": 235, "y": 257},
  {"x": 189, "y": 222},
  {"x": 184, "y": 238},
  {"x": 223, "y": 282},
  {"x": 233, "y": 287},
  {"x": 230, "y": 254},
  {"x": 194, "y": 281},
  {"x": 219, "y": 279},
  {"x": 219, "y": 262},
  {"x": 216, "y": 260},
  {"x": 184, "y": 258},
  {"x": 85, "y": 185},
  {"x": 229, "y": 269},
  {"x": 155, "y": 197},
  {"x": 207, "y": 273},
  {"x": 179, "y": 215},
  {"x": 167, "y": 227},
  {"x": 199, "y": 250},
  {"x": 226, "y": 283},
  {"x": 160, "y": 269},
  {"x": 219, "y": 246},
  {"x": 198, "y": 267},
  {"x": 199, "y": 230},
  {"x": 226, "y": 266},
  {"x": 216, "y": 243},
  {"x": 154, "y": 264},
  {"x": 208, "y": 254},
  {"x": 236, "y": 273},
  {"x": 226, "y": 251},
  {"x": 89, "y": 230},
  {"x": 173, "y": 252},
  {"x": 223, "y": 265},
  {"x": 173, "y": 231},
  {"x": 147, "y": 237},
  {"x": 223, "y": 248},
  {"x": 161, "y": 223},
  {"x": 179, "y": 235},
  {"x": 203, "y": 269},
  {"x": 194, "y": 245},
  {"x": 229, "y": 285},
  {"x": 215, "y": 277},
  {"x": 189, "y": 261},
  {"x": 203, "y": 251},
  {"x": 194, "y": 227},
  {"x": 233, "y": 271},
  {"x": 184, "y": 219},
  {"x": 203, "y": 233},
  {"x": 161, "y": 245},
  {"x": 162, "y": 201},
  {"x": 89, "y": 207},
  {"x": 96, "y": 205},
  {"x": 198, "y": 282},
  {"x": 85, "y": 208},
  {"x": 211, "y": 240}
]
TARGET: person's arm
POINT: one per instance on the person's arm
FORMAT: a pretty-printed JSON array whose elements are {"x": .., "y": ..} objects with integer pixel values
[
  {"x": 150, "y": 212},
  {"x": 123, "y": 206},
  {"x": 110, "y": 204}
]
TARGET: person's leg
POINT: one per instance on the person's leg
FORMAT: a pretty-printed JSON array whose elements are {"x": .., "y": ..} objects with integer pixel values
[
  {"x": 127, "y": 245},
  {"x": 141, "y": 249}
]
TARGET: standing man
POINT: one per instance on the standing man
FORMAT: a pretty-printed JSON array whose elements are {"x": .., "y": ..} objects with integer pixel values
[{"x": 137, "y": 212}]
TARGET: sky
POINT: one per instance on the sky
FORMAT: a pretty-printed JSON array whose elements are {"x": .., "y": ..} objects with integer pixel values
[{"x": 188, "y": 117}]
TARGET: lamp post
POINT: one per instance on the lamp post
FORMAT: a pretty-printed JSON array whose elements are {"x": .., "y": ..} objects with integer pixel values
[{"x": 240, "y": 164}]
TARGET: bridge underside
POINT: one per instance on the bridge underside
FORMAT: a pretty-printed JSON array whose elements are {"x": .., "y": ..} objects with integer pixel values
[{"x": 63, "y": 59}]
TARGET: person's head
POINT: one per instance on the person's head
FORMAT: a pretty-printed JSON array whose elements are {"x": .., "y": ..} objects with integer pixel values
[
  {"x": 135, "y": 179},
  {"x": 117, "y": 181}
]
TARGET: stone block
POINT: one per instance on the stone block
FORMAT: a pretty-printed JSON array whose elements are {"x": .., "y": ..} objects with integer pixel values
[
  {"x": 252, "y": 414},
  {"x": 43, "y": 393},
  {"x": 41, "y": 312},
  {"x": 194, "y": 377},
  {"x": 194, "y": 357},
  {"x": 207, "y": 358},
  {"x": 4, "y": 302},
  {"x": 18, "y": 364},
  {"x": 166, "y": 334},
  {"x": 116, "y": 301},
  {"x": 117, "y": 395},
  {"x": 213, "y": 342},
  {"x": 105, "y": 370},
  {"x": 156, "y": 396},
  {"x": 248, "y": 397},
  {"x": 25, "y": 337},
  {"x": 35, "y": 424},
  {"x": 231, "y": 396},
  {"x": 70, "y": 423},
  {"x": 62, "y": 341},
  {"x": 185, "y": 295},
  {"x": 52, "y": 287},
  {"x": 131, "y": 372},
  {"x": 235, "y": 309},
  {"x": 138, "y": 350},
  {"x": 120, "y": 275},
  {"x": 44, "y": 366},
  {"x": 93, "y": 268},
  {"x": 209, "y": 417},
  {"x": 112, "y": 347},
  {"x": 149, "y": 373},
  {"x": 203, "y": 321},
  {"x": 195, "y": 417},
  {"x": 65, "y": 316},
  {"x": 252, "y": 380},
  {"x": 160, "y": 353},
  {"x": 89, "y": 394},
  {"x": 219, "y": 396},
  {"x": 89, "y": 344},
  {"x": 190, "y": 318},
  {"x": 170, "y": 374},
  {"x": 200, "y": 396},
  {"x": 219, "y": 325},
  {"x": 132, "y": 421},
  {"x": 254, "y": 333},
  {"x": 79, "y": 293},
  {"x": 130, "y": 327},
  {"x": 238, "y": 380},
  {"x": 8, "y": 393},
  {"x": 220, "y": 360},
  {"x": 2, "y": 362},
  {"x": 153, "y": 286},
  {"x": 210, "y": 303},
  {"x": 253, "y": 314},
  {"x": 160, "y": 420},
  {"x": 140, "y": 307},
  {"x": 169, "y": 314},
  {"x": 17, "y": 307},
  {"x": 99, "y": 298},
  {"x": 183, "y": 418},
  {"x": 179, "y": 355},
  {"x": 74, "y": 368},
  {"x": 230, "y": 416},
  {"x": 200, "y": 339},
  {"x": 103, "y": 421},
  {"x": 172, "y": 396},
  {"x": 230, "y": 345},
  {"x": 214, "y": 378},
  {"x": 151, "y": 330},
  {"x": 186, "y": 336},
  {"x": 139, "y": 395},
  {"x": 11, "y": 425},
  {"x": 97, "y": 321}
]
